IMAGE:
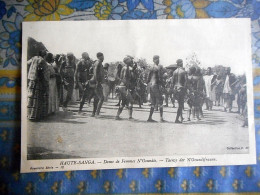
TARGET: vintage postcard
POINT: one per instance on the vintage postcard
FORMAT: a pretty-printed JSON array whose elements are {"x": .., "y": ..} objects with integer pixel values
[{"x": 132, "y": 94}]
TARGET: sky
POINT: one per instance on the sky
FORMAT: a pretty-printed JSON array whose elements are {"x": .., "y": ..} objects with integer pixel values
[{"x": 215, "y": 41}]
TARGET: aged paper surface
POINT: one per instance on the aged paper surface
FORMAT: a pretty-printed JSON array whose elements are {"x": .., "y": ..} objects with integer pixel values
[{"x": 165, "y": 64}]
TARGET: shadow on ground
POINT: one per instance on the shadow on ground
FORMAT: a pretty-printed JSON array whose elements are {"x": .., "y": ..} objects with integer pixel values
[{"x": 38, "y": 153}]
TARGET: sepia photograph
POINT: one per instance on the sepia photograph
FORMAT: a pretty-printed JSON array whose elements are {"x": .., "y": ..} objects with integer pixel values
[{"x": 134, "y": 89}]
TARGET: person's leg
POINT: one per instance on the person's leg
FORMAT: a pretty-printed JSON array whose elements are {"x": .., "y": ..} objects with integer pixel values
[
  {"x": 166, "y": 99},
  {"x": 88, "y": 93},
  {"x": 156, "y": 107},
  {"x": 61, "y": 95},
  {"x": 238, "y": 103},
  {"x": 173, "y": 100},
  {"x": 81, "y": 90},
  {"x": 182, "y": 105},
  {"x": 130, "y": 102},
  {"x": 217, "y": 99},
  {"x": 210, "y": 104},
  {"x": 179, "y": 111},
  {"x": 189, "y": 109},
  {"x": 69, "y": 95},
  {"x": 130, "y": 110},
  {"x": 99, "y": 93},
  {"x": 160, "y": 104},
  {"x": 153, "y": 102},
  {"x": 201, "y": 102},
  {"x": 225, "y": 102},
  {"x": 121, "y": 106},
  {"x": 95, "y": 104},
  {"x": 82, "y": 100},
  {"x": 207, "y": 104},
  {"x": 151, "y": 114},
  {"x": 231, "y": 103},
  {"x": 197, "y": 112}
]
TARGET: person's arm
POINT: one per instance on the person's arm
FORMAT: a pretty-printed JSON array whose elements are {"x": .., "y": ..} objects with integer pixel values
[
  {"x": 204, "y": 86},
  {"x": 61, "y": 70},
  {"x": 185, "y": 80},
  {"x": 127, "y": 77},
  {"x": 172, "y": 84},
  {"x": 98, "y": 72},
  {"x": 149, "y": 76},
  {"x": 76, "y": 74},
  {"x": 29, "y": 62}
]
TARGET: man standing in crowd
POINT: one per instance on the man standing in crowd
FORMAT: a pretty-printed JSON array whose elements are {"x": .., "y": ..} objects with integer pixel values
[
  {"x": 105, "y": 84},
  {"x": 208, "y": 81},
  {"x": 57, "y": 66},
  {"x": 94, "y": 88},
  {"x": 155, "y": 85},
  {"x": 179, "y": 79},
  {"x": 82, "y": 73},
  {"x": 124, "y": 88},
  {"x": 67, "y": 73},
  {"x": 219, "y": 89},
  {"x": 228, "y": 93}
]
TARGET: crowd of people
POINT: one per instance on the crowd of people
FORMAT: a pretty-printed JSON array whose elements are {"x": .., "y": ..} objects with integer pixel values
[{"x": 53, "y": 79}]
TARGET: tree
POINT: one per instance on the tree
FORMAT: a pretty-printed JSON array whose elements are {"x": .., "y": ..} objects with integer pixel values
[
  {"x": 142, "y": 63},
  {"x": 219, "y": 70},
  {"x": 192, "y": 60}
]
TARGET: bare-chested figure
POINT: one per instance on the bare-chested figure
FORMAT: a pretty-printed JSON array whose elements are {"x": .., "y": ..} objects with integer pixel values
[
  {"x": 67, "y": 75},
  {"x": 94, "y": 88},
  {"x": 155, "y": 84},
  {"x": 193, "y": 93},
  {"x": 179, "y": 79},
  {"x": 124, "y": 88},
  {"x": 82, "y": 73}
]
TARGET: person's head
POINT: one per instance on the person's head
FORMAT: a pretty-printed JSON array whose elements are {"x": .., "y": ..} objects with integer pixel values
[
  {"x": 119, "y": 66},
  {"x": 85, "y": 56},
  {"x": 70, "y": 56},
  {"x": 128, "y": 61},
  {"x": 156, "y": 59},
  {"x": 208, "y": 71},
  {"x": 49, "y": 57},
  {"x": 165, "y": 75},
  {"x": 179, "y": 63},
  {"x": 56, "y": 58},
  {"x": 42, "y": 53},
  {"x": 228, "y": 70},
  {"x": 198, "y": 71},
  {"x": 192, "y": 70},
  {"x": 100, "y": 56},
  {"x": 106, "y": 65}
]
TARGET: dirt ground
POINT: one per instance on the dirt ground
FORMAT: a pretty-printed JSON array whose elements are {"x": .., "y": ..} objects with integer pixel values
[{"x": 69, "y": 135}]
